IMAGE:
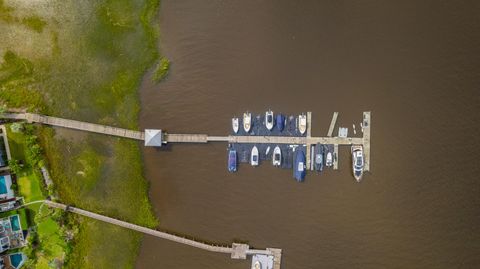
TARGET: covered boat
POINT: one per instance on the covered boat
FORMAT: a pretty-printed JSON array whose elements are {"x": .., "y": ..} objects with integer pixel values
[
  {"x": 277, "y": 156},
  {"x": 302, "y": 123},
  {"x": 235, "y": 125},
  {"x": 357, "y": 162},
  {"x": 232, "y": 160},
  {"x": 318, "y": 162},
  {"x": 299, "y": 167},
  {"x": 247, "y": 121},
  {"x": 254, "y": 156},
  {"x": 280, "y": 122},
  {"x": 269, "y": 121}
]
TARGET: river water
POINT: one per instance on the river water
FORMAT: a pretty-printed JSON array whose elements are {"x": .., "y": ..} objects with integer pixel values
[{"x": 414, "y": 64}]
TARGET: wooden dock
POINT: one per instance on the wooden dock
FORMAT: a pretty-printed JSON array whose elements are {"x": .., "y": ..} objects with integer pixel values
[
  {"x": 236, "y": 251},
  {"x": 367, "y": 121}
]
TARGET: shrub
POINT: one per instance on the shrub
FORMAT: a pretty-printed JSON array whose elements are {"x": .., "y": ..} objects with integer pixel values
[{"x": 162, "y": 70}]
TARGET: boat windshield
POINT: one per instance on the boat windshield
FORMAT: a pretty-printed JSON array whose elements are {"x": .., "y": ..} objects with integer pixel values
[
  {"x": 255, "y": 158},
  {"x": 269, "y": 118},
  {"x": 300, "y": 166},
  {"x": 318, "y": 158},
  {"x": 277, "y": 157}
]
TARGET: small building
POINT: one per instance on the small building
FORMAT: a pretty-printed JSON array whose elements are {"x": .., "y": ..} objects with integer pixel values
[
  {"x": 11, "y": 233},
  {"x": 153, "y": 138},
  {"x": 6, "y": 191},
  {"x": 12, "y": 261}
]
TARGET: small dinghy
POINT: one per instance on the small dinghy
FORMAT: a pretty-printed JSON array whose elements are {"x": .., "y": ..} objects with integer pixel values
[
  {"x": 232, "y": 160},
  {"x": 302, "y": 123},
  {"x": 357, "y": 162},
  {"x": 269, "y": 122},
  {"x": 247, "y": 121},
  {"x": 235, "y": 125},
  {"x": 277, "y": 156},
  {"x": 280, "y": 122},
  {"x": 267, "y": 151},
  {"x": 254, "y": 156}
]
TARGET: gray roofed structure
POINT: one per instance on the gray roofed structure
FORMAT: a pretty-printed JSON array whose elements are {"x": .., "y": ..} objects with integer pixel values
[{"x": 153, "y": 138}]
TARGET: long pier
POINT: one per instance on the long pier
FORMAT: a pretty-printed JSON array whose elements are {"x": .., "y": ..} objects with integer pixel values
[
  {"x": 236, "y": 251},
  {"x": 307, "y": 140}
]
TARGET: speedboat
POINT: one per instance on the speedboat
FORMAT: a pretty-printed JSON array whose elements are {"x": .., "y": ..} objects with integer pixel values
[
  {"x": 302, "y": 123},
  {"x": 254, "y": 156},
  {"x": 329, "y": 159},
  {"x": 277, "y": 156},
  {"x": 269, "y": 121},
  {"x": 235, "y": 125},
  {"x": 257, "y": 265},
  {"x": 232, "y": 160},
  {"x": 357, "y": 162},
  {"x": 247, "y": 121},
  {"x": 280, "y": 122},
  {"x": 299, "y": 167},
  {"x": 318, "y": 157}
]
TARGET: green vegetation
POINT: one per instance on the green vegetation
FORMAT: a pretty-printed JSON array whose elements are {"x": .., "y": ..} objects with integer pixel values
[
  {"x": 162, "y": 70},
  {"x": 86, "y": 63}
]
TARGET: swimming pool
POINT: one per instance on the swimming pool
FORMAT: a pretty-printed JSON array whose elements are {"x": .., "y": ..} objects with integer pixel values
[
  {"x": 15, "y": 220},
  {"x": 3, "y": 185},
  {"x": 16, "y": 259}
]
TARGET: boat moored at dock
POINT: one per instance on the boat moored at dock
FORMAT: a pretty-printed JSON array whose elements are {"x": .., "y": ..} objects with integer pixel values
[
  {"x": 357, "y": 162},
  {"x": 232, "y": 160},
  {"x": 302, "y": 123},
  {"x": 254, "y": 156},
  {"x": 319, "y": 157},
  {"x": 269, "y": 120},
  {"x": 280, "y": 122},
  {"x": 235, "y": 125},
  {"x": 247, "y": 121},
  {"x": 299, "y": 169},
  {"x": 329, "y": 159},
  {"x": 277, "y": 156}
]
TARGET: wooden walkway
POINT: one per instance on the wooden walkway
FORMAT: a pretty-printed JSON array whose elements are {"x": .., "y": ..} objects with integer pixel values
[{"x": 236, "y": 251}]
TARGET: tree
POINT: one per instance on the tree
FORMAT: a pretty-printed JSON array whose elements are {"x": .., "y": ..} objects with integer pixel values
[
  {"x": 15, "y": 166},
  {"x": 16, "y": 127}
]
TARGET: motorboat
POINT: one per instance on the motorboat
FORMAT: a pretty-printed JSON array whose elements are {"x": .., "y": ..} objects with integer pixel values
[
  {"x": 232, "y": 160},
  {"x": 358, "y": 162},
  {"x": 299, "y": 169},
  {"x": 235, "y": 125},
  {"x": 247, "y": 121},
  {"x": 318, "y": 163},
  {"x": 269, "y": 121},
  {"x": 280, "y": 122},
  {"x": 277, "y": 156},
  {"x": 302, "y": 123},
  {"x": 254, "y": 156},
  {"x": 329, "y": 159}
]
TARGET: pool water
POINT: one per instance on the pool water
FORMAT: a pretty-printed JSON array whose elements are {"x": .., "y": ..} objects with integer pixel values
[
  {"x": 15, "y": 220},
  {"x": 16, "y": 259},
  {"x": 3, "y": 185}
]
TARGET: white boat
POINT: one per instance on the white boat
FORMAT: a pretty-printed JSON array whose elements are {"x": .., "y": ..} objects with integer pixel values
[
  {"x": 277, "y": 156},
  {"x": 247, "y": 121},
  {"x": 269, "y": 121},
  {"x": 357, "y": 162},
  {"x": 257, "y": 265},
  {"x": 329, "y": 159},
  {"x": 302, "y": 123},
  {"x": 235, "y": 125},
  {"x": 267, "y": 151},
  {"x": 254, "y": 156}
]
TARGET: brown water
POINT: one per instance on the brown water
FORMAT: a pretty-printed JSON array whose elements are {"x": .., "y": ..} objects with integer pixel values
[{"x": 415, "y": 65}]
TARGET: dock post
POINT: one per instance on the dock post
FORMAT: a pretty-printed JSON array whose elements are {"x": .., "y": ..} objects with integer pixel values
[
  {"x": 309, "y": 135},
  {"x": 366, "y": 138}
]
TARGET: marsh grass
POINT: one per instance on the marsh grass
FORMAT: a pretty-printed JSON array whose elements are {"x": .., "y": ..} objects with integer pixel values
[{"x": 88, "y": 66}]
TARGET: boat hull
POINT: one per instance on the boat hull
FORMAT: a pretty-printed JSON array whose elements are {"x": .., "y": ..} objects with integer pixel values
[
  {"x": 280, "y": 122},
  {"x": 299, "y": 169},
  {"x": 235, "y": 125},
  {"x": 232, "y": 160},
  {"x": 357, "y": 162},
  {"x": 277, "y": 156},
  {"x": 319, "y": 157},
  {"x": 254, "y": 156},
  {"x": 302, "y": 124},
  {"x": 269, "y": 121}
]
